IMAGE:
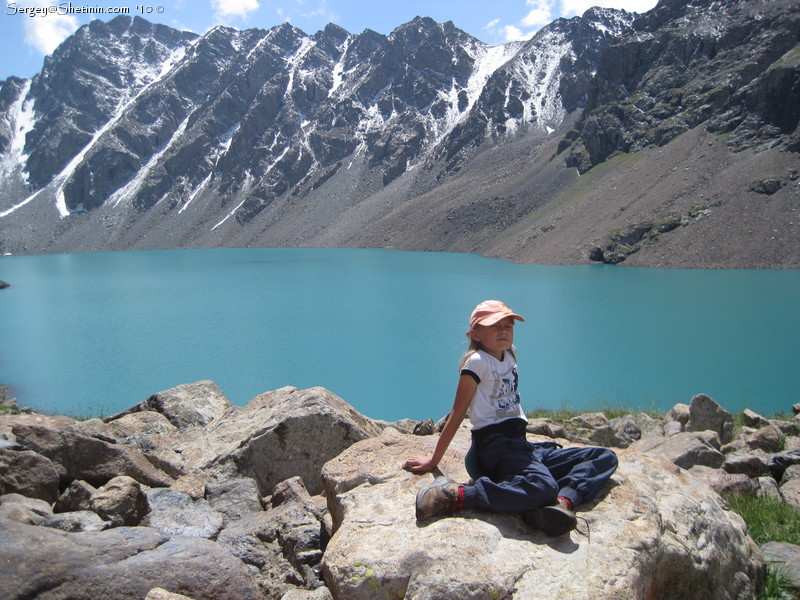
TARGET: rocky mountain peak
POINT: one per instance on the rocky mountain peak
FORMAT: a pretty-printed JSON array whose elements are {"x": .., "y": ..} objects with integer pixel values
[{"x": 139, "y": 135}]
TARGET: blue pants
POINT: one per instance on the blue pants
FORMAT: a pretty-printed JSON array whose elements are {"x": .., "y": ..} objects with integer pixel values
[{"x": 520, "y": 475}]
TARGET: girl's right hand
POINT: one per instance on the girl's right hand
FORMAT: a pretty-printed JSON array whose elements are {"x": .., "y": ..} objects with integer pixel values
[{"x": 419, "y": 464}]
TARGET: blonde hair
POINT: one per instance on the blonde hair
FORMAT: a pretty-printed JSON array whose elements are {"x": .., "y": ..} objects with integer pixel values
[{"x": 474, "y": 346}]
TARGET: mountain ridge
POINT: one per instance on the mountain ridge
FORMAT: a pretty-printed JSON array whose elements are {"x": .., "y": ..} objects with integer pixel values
[{"x": 138, "y": 136}]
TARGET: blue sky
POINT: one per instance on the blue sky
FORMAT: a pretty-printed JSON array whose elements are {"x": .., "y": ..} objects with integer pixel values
[{"x": 32, "y": 29}]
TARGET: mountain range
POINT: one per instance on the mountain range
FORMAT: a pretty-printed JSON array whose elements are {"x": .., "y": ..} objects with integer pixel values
[{"x": 664, "y": 139}]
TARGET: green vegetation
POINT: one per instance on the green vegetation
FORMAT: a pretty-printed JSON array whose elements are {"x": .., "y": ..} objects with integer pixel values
[
  {"x": 776, "y": 587},
  {"x": 770, "y": 520},
  {"x": 609, "y": 410}
]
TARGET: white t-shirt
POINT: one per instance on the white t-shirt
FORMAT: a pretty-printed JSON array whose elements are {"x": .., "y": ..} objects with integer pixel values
[{"x": 497, "y": 397}]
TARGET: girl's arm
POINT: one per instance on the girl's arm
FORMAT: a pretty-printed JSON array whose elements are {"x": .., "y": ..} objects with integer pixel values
[{"x": 464, "y": 393}]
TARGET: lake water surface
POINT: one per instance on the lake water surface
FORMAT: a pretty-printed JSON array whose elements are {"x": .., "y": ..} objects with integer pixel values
[{"x": 85, "y": 334}]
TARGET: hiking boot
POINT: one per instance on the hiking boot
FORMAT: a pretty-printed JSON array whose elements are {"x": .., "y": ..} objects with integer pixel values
[
  {"x": 437, "y": 499},
  {"x": 554, "y": 520}
]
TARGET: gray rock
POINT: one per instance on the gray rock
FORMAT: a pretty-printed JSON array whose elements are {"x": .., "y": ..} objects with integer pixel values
[
  {"x": 82, "y": 520},
  {"x": 679, "y": 413},
  {"x": 187, "y": 405},
  {"x": 790, "y": 492},
  {"x": 177, "y": 514},
  {"x": 28, "y": 473},
  {"x": 190, "y": 404},
  {"x": 278, "y": 435},
  {"x": 139, "y": 427},
  {"x": 123, "y": 563},
  {"x": 791, "y": 472},
  {"x": 779, "y": 462},
  {"x": 787, "y": 428},
  {"x": 725, "y": 483},
  {"x": 768, "y": 439},
  {"x": 678, "y": 536},
  {"x": 753, "y": 419},
  {"x": 705, "y": 414},
  {"x": 77, "y": 497},
  {"x": 24, "y": 509},
  {"x": 672, "y": 428},
  {"x": 162, "y": 594},
  {"x": 684, "y": 449},
  {"x": 281, "y": 545},
  {"x": 786, "y": 558},
  {"x": 322, "y": 593},
  {"x": 617, "y": 433},
  {"x": 768, "y": 488},
  {"x": 95, "y": 461},
  {"x": 546, "y": 428},
  {"x": 753, "y": 463},
  {"x": 234, "y": 498},
  {"x": 426, "y": 427},
  {"x": 121, "y": 501}
]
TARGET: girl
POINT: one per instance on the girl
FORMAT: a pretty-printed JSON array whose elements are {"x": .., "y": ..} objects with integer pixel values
[{"x": 543, "y": 481}]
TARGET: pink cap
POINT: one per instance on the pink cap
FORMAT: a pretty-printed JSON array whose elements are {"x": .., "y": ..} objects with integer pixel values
[{"x": 490, "y": 312}]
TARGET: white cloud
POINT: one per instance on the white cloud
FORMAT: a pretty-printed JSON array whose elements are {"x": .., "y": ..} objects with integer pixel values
[
  {"x": 44, "y": 32},
  {"x": 539, "y": 15},
  {"x": 541, "y": 12},
  {"x": 513, "y": 34},
  {"x": 224, "y": 9}
]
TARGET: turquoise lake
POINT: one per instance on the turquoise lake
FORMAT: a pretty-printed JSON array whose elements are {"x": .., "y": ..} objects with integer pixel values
[{"x": 91, "y": 334}]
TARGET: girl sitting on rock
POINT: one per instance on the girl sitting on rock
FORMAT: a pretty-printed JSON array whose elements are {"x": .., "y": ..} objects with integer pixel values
[{"x": 543, "y": 481}]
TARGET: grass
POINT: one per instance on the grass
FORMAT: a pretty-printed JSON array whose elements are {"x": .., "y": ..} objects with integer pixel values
[
  {"x": 610, "y": 411},
  {"x": 770, "y": 520},
  {"x": 776, "y": 586}
]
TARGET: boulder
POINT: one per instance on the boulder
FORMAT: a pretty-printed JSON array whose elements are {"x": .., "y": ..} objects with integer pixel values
[
  {"x": 29, "y": 474},
  {"x": 188, "y": 405},
  {"x": 78, "y": 496},
  {"x": 280, "y": 434},
  {"x": 768, "y": 488},
  {"x": 790, "y": 492},
  {"x": 680, "y": 414},
  {"x": 121, "y": 501},
  {"x": 655, "y": 531},
  {"x": 791, "y": 472},
  {"x": 754, "y": 463},
  {"x": 684, "y": 449},
  {"x": 234, "y": 498},
  {"x": 123, "y": 563},
  {"x": 93, "y": 460},
  {"x": 140, "y": 426},
  {"x": 162, "y": 594},
  {"x": 175, "y": 513},
  {"x": 778, "y": 463},
  {"x": 617, "y": 433},
  {"x": 753, "y": 419},
  {"x": 785, "y": 557},
  {"x": 546, "y": 428},
  {"x": 282, "y": 545},
  {"x": 81, "y": 520},
  {"x": 318, "y": 594},
  {"x": 23, "y": 509},
  {"x": 8, "y": 422},
  {"x": 724, "y": 483},
  {"x": 705, "y": 414}
]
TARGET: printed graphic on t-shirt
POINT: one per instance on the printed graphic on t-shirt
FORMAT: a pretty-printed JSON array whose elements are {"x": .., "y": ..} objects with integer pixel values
[{"x": 508, "y": 398}]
